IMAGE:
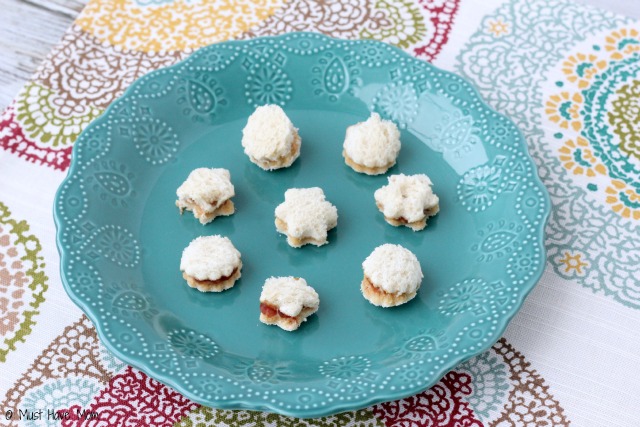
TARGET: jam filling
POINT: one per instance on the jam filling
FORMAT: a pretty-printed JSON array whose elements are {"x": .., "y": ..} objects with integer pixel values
[
  {"x": 271, "y": 311},
  {"x": 217, "y": 281}
]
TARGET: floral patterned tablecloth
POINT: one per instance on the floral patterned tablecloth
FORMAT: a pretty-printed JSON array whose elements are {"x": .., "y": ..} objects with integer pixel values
[{"x": 568, "y": 75}]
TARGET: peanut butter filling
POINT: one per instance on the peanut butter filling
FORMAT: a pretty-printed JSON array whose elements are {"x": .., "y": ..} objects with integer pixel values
[
  {"x": 225, "y": 208},
  {"x": 370, "y": 287},
  {"x": 282, "y": 161},
  {"x": 415, "y": 225},
  {"x": 382, "y": 298},
  {"x": 369, "y": 170},
  {"x": 296, "y": 242}
]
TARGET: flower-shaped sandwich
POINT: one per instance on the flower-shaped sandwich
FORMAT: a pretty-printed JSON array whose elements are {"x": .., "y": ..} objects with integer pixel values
[
  {"x": 207, "y": 193},
  {"x": 287, "y": 302},
  {"x": 407, "y": 200},
  {"x": 305, "y": 216}
]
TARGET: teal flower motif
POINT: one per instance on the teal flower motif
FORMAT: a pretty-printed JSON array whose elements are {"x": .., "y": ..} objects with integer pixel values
[
  {"x": 155, "y": 141},
  {"x": 374, "y": 56},
  {"x": 85, "y": 281},
  {"x": 345, "y": 367},
  {"x": 464, "y": 296},
  {"x": 210, "y": 386},
  {"x": 109, "y": 361},
  {"x": 268, "y": 85},
  {"x": 59, "y": 394},
  {"x": 480, "y": 187},
  {"x": 261, "y": 372},
  {"x": 490, "y": 383},
  {"x": 413, "y": 374},
  {"x": 399, "y": 102},
  {"x": 522, "y": 266},
  {"x": 118, "y": 245},
  {"x": 499, "y": 132},
  {"x": 192, "y": 344}
]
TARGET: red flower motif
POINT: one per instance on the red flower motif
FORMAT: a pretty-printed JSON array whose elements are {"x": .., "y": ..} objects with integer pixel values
[
  {"x": 132, "y": 399},
  {"x": 441, "y": 15},
  {"x": 440, "y": 406},
  {"x": 125, "y": 388},
  {"x": 14, "y": 140}
]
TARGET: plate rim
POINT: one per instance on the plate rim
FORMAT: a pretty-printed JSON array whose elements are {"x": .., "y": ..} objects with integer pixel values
[{"x": 338, "y": 406}]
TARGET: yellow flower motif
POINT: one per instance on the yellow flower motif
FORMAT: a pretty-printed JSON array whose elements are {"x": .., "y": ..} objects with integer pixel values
[
  {"x": 573, "y": 263},
  {"x": 623, "y": 42},
  {"x": 175, "y": 25},
  {"x": 498, "y": 27},
  {"x": 564, "y": 109},
  {"x": 581, "y": 68},
  {"x": 578, "y": 157},
  {"x": 624, "y": 200}
]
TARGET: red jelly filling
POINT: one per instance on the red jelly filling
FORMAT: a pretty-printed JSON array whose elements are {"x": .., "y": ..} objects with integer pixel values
[{"x": 270, "y": 311}]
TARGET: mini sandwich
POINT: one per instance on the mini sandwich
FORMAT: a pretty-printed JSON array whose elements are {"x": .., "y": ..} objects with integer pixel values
[
  {"x": 287, "y": 302},
  {"x": 305, "y": 216},
  {"x": 392, "y": 276},
  {"x": 407, "y": 200},
  {"x": 372, "y": 146},
  {"x": 269, "y": 138},
  {"x": 211, "y": 264},
  {"x": 207, "y": 193}
]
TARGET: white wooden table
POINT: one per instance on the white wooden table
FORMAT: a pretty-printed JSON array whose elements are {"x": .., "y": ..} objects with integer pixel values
[{"x": 30, "y": 28}]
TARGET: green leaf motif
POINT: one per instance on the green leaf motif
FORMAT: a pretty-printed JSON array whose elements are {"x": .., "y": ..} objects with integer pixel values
[
  {"x": 208, "y": 417},
  {"x": 406, "y": 24},
  {"x": 42, "y": 121},
  {"x": 625, "y": 118},
  {"x": 20, "y": 264}
]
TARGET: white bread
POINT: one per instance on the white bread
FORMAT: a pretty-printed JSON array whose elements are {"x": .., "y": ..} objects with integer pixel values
[
  {"x": 269, "y": 138},
  {"x": 407, "y": 200},
  {"x": 394, "y": 273},
  {"x": 372, "y": 146},
  {"x": 207, "y": 193},
  {"x": 210, "y": 258},
  {"x": 289, "y": 294},
  {"x": 287, "y": 302},
  {"x": 305, "y": 216}
]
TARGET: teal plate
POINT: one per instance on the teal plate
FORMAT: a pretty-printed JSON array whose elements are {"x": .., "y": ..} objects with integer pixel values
[{"x": 120, "y": 235}]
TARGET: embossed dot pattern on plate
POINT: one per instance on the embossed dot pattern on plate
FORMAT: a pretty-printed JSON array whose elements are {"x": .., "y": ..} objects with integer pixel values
[{"x": 120, "y": 235}]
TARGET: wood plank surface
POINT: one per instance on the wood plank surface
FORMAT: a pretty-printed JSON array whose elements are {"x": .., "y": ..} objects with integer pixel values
[
  {"x": 30, "y": 28},
  {"x": 28, "y": 31}
]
